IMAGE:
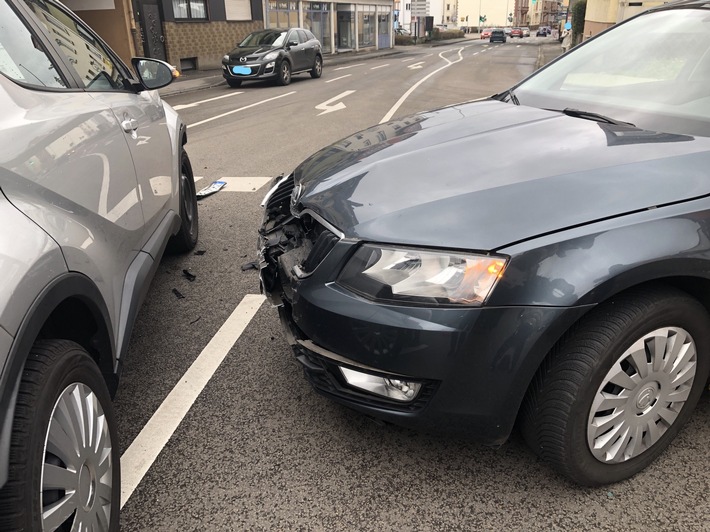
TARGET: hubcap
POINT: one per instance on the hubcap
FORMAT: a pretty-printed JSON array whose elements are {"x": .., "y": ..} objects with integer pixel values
[
  {"x": 77, "y": 473},
  {"x": 642, "y": 395}
]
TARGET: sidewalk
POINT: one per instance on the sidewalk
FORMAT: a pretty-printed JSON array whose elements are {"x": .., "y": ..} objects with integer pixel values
[{"x": 204, "y": 79}]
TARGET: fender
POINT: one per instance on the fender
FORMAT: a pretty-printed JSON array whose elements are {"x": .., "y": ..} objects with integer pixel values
[{"x": 100, "y": 345}]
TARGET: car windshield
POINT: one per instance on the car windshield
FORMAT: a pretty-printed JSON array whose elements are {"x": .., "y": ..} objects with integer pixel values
[
  {"x": 660, "y": 81},
  {"x": 264, "y": 38}
]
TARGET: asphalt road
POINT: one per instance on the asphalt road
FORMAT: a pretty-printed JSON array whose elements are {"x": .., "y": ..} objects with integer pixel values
[{"x": 257, "y": 449}]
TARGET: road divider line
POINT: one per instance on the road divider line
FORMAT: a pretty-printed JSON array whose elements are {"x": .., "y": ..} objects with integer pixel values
[
  {"x": 141, "y": 454},
  {"x": 195, "y": 104},
  {"x": 341, "y": 77},
  {"x": 240, "y": 109},
  {"x": 381, "y": 66},
  {"x": 414, "y": 87},
  {"x": 349, "y": 66}
]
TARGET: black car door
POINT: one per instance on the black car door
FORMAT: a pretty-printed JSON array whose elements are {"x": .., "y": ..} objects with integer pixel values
[{"x": 295, "y": 47}]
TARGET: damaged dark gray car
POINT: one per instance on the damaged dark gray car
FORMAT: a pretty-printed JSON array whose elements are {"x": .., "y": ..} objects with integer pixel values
[{"x": 541, "y": 257}]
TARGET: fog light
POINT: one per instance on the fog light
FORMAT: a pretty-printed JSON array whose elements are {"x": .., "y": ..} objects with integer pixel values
[{"x": 397, "y": 389}]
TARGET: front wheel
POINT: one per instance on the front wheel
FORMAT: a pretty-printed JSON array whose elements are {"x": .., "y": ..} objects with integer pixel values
[
  {"x": 317, "y": 70},
  {"x": 64, "y": 457},
  {"x": 186, "y": 237},
  {"x": 618, "y": 388},
  {"x": 284, "y": 75}
]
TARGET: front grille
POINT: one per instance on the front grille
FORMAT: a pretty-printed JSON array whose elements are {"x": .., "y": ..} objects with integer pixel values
[
  {"x": 323, "y": 374},
  {"x": 324, "y": 242},
  {"x": 283, "y": 192}
]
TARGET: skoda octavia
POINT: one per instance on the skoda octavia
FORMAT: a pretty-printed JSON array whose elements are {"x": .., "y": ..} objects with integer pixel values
[{"x": 541, "y": 257}]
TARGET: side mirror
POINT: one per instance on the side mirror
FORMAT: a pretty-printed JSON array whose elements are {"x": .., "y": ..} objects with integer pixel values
[
  {"x": 154, "y": 73},
  {"x": 292, "y": 43}
]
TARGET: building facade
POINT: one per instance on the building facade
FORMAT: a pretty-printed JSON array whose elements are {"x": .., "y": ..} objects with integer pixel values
[{"x": 195, "y": 34}]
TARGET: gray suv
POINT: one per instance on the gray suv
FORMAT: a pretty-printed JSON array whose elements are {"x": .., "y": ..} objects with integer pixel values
[{"x": 94, "y": 185}]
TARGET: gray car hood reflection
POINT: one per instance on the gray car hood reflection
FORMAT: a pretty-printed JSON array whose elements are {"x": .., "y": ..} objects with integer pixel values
[{"x": 486, "y": 174}]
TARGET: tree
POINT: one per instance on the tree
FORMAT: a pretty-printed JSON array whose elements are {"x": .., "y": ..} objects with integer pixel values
[{"x": 579, "y": 10}]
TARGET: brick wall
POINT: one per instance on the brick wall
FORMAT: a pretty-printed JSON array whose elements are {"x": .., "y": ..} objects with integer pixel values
[{"x": 206, "y": 41}]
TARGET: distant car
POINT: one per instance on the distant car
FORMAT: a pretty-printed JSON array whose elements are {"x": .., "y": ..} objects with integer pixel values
[
  {"x": 402, "y": 31},
  {"x": 516, "y": 32},
  {"x": 275, "y": 54},
  {"x": 95, "y": 183},
  {"x": 567, "y": 291},
  {"x": 486, "y": 33},
  {"x": 526, "y": 32},
  {"x": 497, "y": 36},
  {"x": 543, "y": 31},
  {"x": 507, "y": 31}
]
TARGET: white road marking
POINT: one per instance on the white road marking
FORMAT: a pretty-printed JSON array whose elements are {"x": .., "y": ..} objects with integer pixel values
[
  {"x": 244, "y": 184},
  {"x": 406, "y": 95},
  {"x": 240, "y": 109},
  {"x": 407, "y": 60},
  {"x": 197, "y": 178},
  {"x": 326, "y": 107},
  {"x": 349, "y": 66},
  {"x": 415, "y": 66},
  {"x": 341, "y": 77},
  {"x": 381, "y": 66},
  {"x": 195, "y": 104},
  {"x": 138, "y": 458}
]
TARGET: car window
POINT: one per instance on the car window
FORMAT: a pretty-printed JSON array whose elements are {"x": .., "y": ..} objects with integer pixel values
[
  {"x": 22, "y": 56},
  {"x": 302, "y": 36},
  {"x": 90, "y": 58},
  {"x": 293, "y": 36}
]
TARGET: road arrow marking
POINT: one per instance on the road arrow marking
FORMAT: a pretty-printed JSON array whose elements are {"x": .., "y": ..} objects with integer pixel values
[
  {"x": 416, "y": 66},
  {"x": 326, "y": 107}
]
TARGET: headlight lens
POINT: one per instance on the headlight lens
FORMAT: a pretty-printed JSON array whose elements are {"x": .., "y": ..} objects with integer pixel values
[
  {"x": 421, "y": 276},
  {"x": 270, "y": 56},
  {"x": 225, "y": 59}
]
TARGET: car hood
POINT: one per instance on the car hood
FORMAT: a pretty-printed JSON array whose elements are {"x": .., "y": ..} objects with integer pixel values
[
  {"x": 486, "y": 174},
  {"x": 250, "y": 51}
]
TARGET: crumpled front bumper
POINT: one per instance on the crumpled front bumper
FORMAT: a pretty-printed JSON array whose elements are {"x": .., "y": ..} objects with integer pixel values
[{"x": 474, "y": 364}]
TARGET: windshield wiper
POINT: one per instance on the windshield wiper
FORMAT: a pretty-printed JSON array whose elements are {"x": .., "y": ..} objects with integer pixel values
[
  {"x": 508, "y": 95},
  {"x": 588, "y": 115}
]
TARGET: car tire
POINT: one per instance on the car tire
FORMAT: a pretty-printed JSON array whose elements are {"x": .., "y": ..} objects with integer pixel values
[
  {"x": 284, "y": 75},
  {"x": 317, "y": 70},
  {"x": 597, "y": 371},
  {"x": 61, "y": 392},
  {"x": 234, "y": 83},
  {"x": 186, "y": 238}
]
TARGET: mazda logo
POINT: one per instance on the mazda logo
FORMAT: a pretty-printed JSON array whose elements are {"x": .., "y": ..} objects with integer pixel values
[{"x": 242, "y": 59}]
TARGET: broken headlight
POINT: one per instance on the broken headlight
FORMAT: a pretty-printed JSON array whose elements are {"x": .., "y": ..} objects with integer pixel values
[{"x": 421, "y": 276}]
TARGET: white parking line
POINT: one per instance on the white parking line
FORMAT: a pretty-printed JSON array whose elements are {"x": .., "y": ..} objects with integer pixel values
[
  {"x": 341, "y": 77},
  {"x": 240, "y": 109},
  {"x": 138, "y": 458},
  {"x": 195, "y": 104},
  {"x": 244, "y": 184}
]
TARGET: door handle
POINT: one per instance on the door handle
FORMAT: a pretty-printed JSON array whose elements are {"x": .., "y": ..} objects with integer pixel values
[{"x": 129, "y": 125}]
